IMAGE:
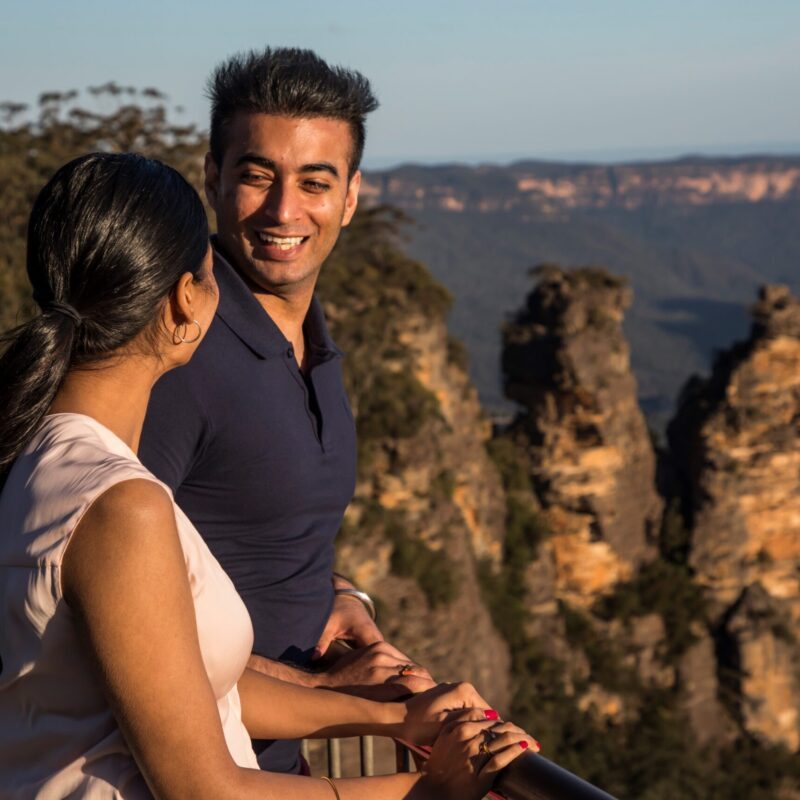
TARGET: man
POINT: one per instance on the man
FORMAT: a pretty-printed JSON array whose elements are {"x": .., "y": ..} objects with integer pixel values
[{"x": 255, "y": 436}]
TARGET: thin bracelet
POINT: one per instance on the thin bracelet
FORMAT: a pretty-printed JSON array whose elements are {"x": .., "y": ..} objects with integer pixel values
[{"x": 332, "y": 785}]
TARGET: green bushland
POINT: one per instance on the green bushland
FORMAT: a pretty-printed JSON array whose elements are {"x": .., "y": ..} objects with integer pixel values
[
  {"x": 457, "y": 353},
  {"x": 432, "y": 570},
  {"x": 509, "y": 462},
  {"x": 34, "y": 143},
  {"x": 371, "y": 288},
  {"x": 664, "y": 588}
]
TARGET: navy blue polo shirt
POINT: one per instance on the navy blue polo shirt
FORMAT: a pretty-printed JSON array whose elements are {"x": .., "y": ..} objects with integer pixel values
[{"x": 262, "y": 459}]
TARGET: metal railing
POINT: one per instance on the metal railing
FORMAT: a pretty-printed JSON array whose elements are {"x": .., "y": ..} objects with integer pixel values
[{"x": 529, "y": 777}]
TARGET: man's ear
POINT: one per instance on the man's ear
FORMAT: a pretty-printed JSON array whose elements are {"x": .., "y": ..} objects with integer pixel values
[
  {"x": 351, "y": 201},
  {"x": 211, "y": 183}
]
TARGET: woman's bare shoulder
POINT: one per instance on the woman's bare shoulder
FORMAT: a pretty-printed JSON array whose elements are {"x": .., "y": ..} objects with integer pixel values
[{"x": 128, "y": 532}]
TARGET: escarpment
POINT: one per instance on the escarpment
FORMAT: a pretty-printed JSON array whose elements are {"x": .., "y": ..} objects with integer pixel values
[
  {"x": 429, "y": 504},
  {"x": 737, "y": 436}
]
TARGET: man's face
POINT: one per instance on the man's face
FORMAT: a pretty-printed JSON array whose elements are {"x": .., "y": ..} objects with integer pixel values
[{"x": 281, "y": 196}]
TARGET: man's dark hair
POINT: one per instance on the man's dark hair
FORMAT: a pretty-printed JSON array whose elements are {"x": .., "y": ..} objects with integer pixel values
[{"x": 290, "y": 82}]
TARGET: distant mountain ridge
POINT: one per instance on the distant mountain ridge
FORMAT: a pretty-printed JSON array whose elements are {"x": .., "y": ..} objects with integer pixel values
[
  {"x": 549, "y": 187},
  {"x": 695, "y": 237}
]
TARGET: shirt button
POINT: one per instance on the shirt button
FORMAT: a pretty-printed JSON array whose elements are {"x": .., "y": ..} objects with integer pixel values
[{"x": 290, "y": 353}]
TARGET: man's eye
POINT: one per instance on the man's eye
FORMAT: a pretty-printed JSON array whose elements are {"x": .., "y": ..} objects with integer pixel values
[
  {"x": 254, "y": 177},
  {"x": 317, "y": 186}
]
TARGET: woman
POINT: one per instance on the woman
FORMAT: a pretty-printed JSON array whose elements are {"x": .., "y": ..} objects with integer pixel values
[{"x": 123, "y": 643}]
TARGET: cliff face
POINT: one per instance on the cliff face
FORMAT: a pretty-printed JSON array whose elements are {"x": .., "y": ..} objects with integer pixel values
[
  {"x": 738, "y": 435},
  {"x": 550, "y": 188},
  {"x": 441, "y": 495},
  {"x": 429, "y": 504},
  {"x": 591, "y": 460},
  {"x": 622, "y": 623}
]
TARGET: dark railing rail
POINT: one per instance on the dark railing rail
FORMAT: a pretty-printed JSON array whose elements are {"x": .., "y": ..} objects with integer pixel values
[
  {"x": 529, "y": 777},
  {"x": 533, "y": 777}
]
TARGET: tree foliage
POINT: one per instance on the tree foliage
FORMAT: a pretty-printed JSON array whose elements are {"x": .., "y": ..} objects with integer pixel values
[{"x": 34, "y": 143}]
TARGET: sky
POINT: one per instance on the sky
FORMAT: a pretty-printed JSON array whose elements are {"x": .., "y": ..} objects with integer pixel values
[{"x": 492, "y": 81}]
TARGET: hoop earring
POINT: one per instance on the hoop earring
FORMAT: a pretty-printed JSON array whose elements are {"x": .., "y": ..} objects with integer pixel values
[{"x": 177, "y": 338}]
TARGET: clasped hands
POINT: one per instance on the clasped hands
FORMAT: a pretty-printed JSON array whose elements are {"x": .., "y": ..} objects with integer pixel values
[
  {"x": 373, "y": 668},
  {"x": 470, "y": 743}
]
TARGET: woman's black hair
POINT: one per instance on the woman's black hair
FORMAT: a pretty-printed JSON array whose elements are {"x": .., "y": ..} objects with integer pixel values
[{"x": 108, "y": 238}]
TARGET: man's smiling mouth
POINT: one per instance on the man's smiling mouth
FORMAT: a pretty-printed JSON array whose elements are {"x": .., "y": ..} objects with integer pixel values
[{"x": 281, "y": 242}]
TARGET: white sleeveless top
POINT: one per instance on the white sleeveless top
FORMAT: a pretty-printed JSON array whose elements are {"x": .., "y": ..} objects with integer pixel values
[{"x": 58, "y": 737}]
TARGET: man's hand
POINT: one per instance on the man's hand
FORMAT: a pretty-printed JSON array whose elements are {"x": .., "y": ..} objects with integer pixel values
[
  {"x": 349, "y": 620},
  {"x": 374, "y": 672}
]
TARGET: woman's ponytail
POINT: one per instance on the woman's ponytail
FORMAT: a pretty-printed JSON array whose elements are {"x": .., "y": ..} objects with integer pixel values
[
  {"x": 108, "y": 238},
  {"x": 32, "y": 369}
]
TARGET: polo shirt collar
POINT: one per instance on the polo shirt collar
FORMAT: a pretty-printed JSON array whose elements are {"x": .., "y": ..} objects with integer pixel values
[{"x": 246, "y": 317}]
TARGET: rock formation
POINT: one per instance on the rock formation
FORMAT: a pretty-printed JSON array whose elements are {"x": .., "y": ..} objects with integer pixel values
[
  {"x": 441, "y": 487},
  {"x": 566, "y": 362},
  {"x": 429, "y": 505},
  {"x": 737, "y": 436}
]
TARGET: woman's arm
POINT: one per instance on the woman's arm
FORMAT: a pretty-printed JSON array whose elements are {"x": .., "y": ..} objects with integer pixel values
[
  {"x": 124, "y": 578},
  {"x": 273, "y": 709}
]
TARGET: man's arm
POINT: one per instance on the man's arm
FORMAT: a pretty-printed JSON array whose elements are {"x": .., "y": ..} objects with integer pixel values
[
  {"x": 373, "y": 671},
  {"x": 353, "y": 656},
  {"x": 350, "y": 620}
]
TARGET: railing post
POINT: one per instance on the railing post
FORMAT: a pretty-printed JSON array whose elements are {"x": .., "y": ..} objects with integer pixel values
[
  {"x": 334, "y": 758},
  {"x": 367, "y": 752}
]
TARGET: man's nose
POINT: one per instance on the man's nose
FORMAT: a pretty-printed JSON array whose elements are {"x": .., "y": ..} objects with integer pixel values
[{"x": 282, "y": 203}]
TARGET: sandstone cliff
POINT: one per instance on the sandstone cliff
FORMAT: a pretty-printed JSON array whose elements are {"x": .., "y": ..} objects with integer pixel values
[
  {"x": 552, "y": 188},
  {"x": 591, "y": 462},
  {"x": 429, "y": 504},
  {"x": 737, "y": 437}
]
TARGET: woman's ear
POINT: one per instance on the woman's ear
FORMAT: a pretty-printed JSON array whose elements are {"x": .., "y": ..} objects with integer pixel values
[{"x": 178, "y": 310}]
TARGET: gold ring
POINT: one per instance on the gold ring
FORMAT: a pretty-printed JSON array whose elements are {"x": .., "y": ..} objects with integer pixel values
[
  {"x": 406, "y": 669},
  {"x": 484, "y": 749}
]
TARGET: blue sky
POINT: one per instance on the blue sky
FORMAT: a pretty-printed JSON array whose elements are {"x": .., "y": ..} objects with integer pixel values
[{"x": 458, "y": 80}]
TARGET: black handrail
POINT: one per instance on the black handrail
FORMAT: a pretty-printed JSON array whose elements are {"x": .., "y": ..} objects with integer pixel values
[
  {"x": 533, "y": 777},
  {"x": 529, "y": 777}
]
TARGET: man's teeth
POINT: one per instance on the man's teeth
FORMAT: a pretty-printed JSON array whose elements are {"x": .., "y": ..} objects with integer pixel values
[{"x": 283, "y": 242}]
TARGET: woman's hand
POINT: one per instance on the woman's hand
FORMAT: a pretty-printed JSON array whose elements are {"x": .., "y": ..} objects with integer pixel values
[
  {"x": 428, "y": 711},
  {"x": 468, "y": 755}
]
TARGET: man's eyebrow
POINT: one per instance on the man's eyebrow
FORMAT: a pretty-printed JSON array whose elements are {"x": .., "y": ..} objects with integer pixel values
[
  {"x": 268, "y": 163},
  {"x": 259, "y": 161},
  {"x": 321, "y": 166}
]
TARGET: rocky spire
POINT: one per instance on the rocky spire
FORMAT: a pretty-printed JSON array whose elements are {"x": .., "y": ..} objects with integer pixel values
[{"x": 566, "y": 362}]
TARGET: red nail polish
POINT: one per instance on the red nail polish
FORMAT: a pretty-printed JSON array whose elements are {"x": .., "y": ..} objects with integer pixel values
[
  {"x": 490, "y": 713},
  {"x": 538, "y": 745},
  {"x": 523, "y": 745}
]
